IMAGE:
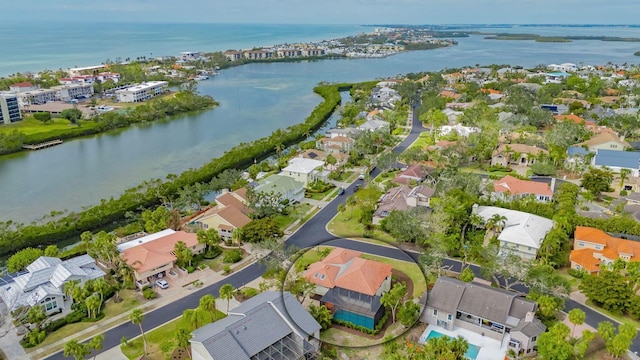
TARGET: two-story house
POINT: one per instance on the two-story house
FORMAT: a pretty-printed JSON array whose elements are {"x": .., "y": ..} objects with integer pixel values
[
  {"x": 401, "y": 198},
  {"x": 521, "y": 233},
  {"x": 516, "y": 154},
  {"x": 350, "y": 286},
  {"x": 593, "y": 249},
  {"x": 605, "y": 141},
  {"x": 492, "y": 312},
  {"x": 231, "y": 213},
  {"x": 303, "y": 170}
]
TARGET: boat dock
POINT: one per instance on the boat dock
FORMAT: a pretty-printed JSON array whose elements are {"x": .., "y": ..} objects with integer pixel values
[{"x": 42, "y": 145}]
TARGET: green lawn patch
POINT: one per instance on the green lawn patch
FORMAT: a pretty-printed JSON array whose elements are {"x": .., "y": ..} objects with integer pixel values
[
  {"x": 30, "y": 126},
  {"x": 295, "y": 212},
  {"x": 217, "y": 264},
  {"x": 346, "y": 224},
  {"x": 424, "y": 139},
  {"x": 318, "y": 196},
  {"x": 162, "y": 340}
]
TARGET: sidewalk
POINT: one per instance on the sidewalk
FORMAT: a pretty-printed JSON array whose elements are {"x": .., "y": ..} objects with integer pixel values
[{"x": 166, "y": 296}]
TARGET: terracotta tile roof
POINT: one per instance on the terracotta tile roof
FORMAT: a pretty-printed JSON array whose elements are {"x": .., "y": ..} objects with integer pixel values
[
  {"x": 449, "y": 94},
  {"x": 233, "y": 216},
  {"x": 515, "y": 186},
  {"x": 612, "y": 247},
  {"x": 156, "y": 253},
  {"x": 585, "y": 258},
  {"x": 347, "y": 270},
  {"x": 343, "y": 139},
  {"x": 231, "y": 199},
  {"x": 611, "y": 92},
  {"x": 22, "y": 84},
  {"x": 572, "y": 117}
]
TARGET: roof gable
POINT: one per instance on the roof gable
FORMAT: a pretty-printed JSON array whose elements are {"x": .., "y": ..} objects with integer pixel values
[{"x": 515, "y": 186}]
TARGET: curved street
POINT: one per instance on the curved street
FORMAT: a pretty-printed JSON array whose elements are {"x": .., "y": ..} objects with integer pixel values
[{"x": 311, "y": 233}]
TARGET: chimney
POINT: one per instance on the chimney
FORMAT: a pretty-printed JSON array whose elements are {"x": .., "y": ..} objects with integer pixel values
[
  {"x": 529, "y": 317},
  {"x": 553, "y": 184}
]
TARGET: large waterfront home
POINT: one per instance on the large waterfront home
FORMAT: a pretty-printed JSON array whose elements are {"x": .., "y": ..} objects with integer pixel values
[
  {"x": 43, "y": 282},
  {"x": 485, "y": 310},
  {"x": 270, "y": 325},
  {"x": 231, "y": 213}
]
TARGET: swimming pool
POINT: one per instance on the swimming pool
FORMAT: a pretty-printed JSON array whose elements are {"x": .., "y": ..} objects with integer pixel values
[{"x": 472, "y": 351}]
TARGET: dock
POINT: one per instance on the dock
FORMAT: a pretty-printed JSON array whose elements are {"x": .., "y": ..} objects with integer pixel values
[{"x": 42, "y": 145}]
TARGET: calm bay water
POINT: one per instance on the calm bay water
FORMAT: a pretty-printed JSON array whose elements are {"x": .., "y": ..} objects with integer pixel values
[{"x": 254, "y": 100}]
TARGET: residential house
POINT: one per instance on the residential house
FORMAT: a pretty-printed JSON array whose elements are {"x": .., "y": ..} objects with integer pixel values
[
  {"x": 303, "y": 170},
  {"x": 346, "y": 132},
  {"x": 616, "y": 160},
  {"x": 42, "y": 283},
  {"x": 152, "y": 256},
  {"x": 509, "y": 188},
  {"x": 452, "y": 115},
  {"x": 23, "y": 87},
  {"x": 498, "y": 314},
  {"x": 335, "y": 144},
  {"x": 516, "y": 154},
  {"x": 231, "y": 213},
  {"x": 605, "y": 141},
  {"x": 288, "y": 188},
  {"x": 233, "y": 55},
  {"x": 270, "y": 325},
  {"x": 415, "y": 172},
  {"x": 594, "y": 249},
  {"x": 555, "y": 108},
  {"x": 521, "y": 234},
  {"x": 449, "y": 94},
  {"x": 459, "y": 129},
  {"x": 402, "y": 198},
  {"x": 373, "y": 125},
  {"x": 351, "y": 286},
  {"x": 572, "y": 118}
]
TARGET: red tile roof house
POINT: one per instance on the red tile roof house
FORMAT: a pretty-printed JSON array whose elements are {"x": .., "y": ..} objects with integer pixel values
[
  {"x": 415, "y": 172},
  {"x": 509, "y": 188},
  {"x": 351, "y": 286},
  {"x": 402, "y": 198},
  {"x": 151, "y": 257},
  {"x": 594, "y": 249},
  {"x": 231, "y": 213}
]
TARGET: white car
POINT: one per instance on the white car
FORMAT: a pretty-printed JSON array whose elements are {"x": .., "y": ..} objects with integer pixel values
[{"x": 163, "y": 284}]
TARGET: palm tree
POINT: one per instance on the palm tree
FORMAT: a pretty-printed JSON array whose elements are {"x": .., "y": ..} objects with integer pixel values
[
  {"x": 76, "y": 349},
  {"x": 93, "y": 303},
  {"x": 493, "y": 225},
  {"x": 101, "y": 286},
  {"x": 208, "y": 304},
  {"x": 278, "y": 148},
  {"x": 624, "y": 175},
  {"x": 193, "y": 318},
  {"x": 226, "y": 293},
  {"x": 96, "y": 343},
  {"x": 183, "y": 336},
  {"x": 70, "y": 287},
  {"x": 136, "y": 318}
]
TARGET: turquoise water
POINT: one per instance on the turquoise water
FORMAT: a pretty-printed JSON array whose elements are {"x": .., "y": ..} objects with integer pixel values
[{"x": 472, "y": 351}]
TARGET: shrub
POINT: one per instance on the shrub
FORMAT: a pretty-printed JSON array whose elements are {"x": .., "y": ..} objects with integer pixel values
[
  {"x": 543, "y": 168},
  {"x": 55, "y": 325},
  {"x": 36, "y": 337},
  {"x": 303, "y": 264},
  {"x": 249, "y": 292},
  {"x": 75, "y": 316},
  {"x": 580, "y": 274},
  {"x": 623, "y": 193},
  {"x": 190, "y": 269},
  {"x": 148, "y": 293},
  {"x": 42, "y": 116},
  {"x": 212, "y": 252},
  {"x": 227, "y": 269},
  {"x": 232, "y": 256}
]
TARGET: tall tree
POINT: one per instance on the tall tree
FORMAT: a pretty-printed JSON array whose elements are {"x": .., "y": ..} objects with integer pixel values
[
  {"x": 208, "y": 305},
  {"x": 394, "y": 297},
  {"x": 136, "y": 318},
  {"x": 322, "y": 315},
  {"x": 76, "y": 349},
  {"x": 624, "y": 175},
  {"x": 226, "y": 293},
  {"x": 70, "y": 287},
  {"x": 553, "y": 344},
  {"x": 408, "y": 313},
  {"x": 183, "y": 336},
  {"x": 597, "y": 181},
  {"x": 576, "y": 317},
  {"x": 96, "y": 343}
]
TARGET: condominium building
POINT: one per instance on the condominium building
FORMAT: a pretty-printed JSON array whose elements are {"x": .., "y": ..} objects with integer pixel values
[
  {"x": 74, "y": 91},
  {"x": 37, "y": 97},
  {"x": 9, "y": 110},
  {"x": 142, "y": 92}
]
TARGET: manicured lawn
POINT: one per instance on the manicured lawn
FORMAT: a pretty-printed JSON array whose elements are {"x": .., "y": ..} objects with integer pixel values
[
  {"x": 424, "y": 140},
  {"x": 346, "y": 224},
  {"x": 29, "y": 126},
  {"x": 217, "y": 264},
  {"x": 411, "y": 269},
  {"x": 354, "y": 341},
  {"x": 318, "y": 196},
  {"x": 295, "y": 212},
  {"x": 573, "y": 281},
  {"x": 620, "y": 318},
  {"x": 130, "y": 300},
  {"x": 161, "y": 341}
]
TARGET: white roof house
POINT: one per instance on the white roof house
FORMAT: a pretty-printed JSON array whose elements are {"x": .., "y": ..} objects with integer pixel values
[
  {"x": 522, "y": 233},
  {"x": 303, "y": 169},
  {"x": 460, "y": 129},
  {"x": 44, "y": 279}
]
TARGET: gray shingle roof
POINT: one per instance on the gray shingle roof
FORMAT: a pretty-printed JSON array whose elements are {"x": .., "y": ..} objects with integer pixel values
[
  {"x": 254, "y": 325},
  {"x": 487, "y": 302},
  {"x": 446, "y": 294},
  {"x": 623, "y": 159}
]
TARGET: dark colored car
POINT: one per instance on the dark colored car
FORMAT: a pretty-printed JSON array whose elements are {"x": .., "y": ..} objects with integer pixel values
[
  {"x": 356, "y": 188},
  {"x": 341, "y": 191}
]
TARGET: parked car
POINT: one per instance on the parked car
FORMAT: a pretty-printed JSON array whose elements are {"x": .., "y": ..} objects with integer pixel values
[
  {"x": 162, "y": 283},
  {"x": 356, "y": 188},
  {"x": 341, "y": 191}
]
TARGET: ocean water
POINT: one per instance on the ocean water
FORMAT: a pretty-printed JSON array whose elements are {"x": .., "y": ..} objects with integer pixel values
[
  {"x": 54, "y": 45},
  {"x": 255, "y": 99}
]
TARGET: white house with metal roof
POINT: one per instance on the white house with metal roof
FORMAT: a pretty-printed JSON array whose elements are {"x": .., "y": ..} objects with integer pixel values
[
  {"x": 43, "y": 282},
  {"x": 303, "y": 169},
  {"x": 617, "y": 160},
  {"x": 522, "y": 233},
  {"x": 271, "y": 325}
]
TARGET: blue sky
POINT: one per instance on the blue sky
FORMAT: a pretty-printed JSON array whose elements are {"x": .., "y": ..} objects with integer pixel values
[{"x": 330, "y": 11}]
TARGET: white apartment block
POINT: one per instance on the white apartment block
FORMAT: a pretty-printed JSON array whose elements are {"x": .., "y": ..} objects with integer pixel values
[
  {"x": 37, "y": 97},
  {"x": 142, "y": 92},
  {"x": 74, "y": 91},
  {"x": 9, "y": 110}
]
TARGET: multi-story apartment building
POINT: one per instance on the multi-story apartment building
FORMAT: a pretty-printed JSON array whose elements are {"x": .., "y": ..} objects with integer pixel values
[
  {"x": 142, "y": 92},
  {"x": 9, "y": 110}
]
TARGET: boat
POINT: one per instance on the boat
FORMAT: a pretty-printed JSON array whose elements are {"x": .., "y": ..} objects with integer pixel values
[{"x": 201, "y": 77}]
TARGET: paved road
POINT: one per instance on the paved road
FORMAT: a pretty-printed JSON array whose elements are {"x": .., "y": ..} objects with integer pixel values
[{"x": 312, "y": 233}]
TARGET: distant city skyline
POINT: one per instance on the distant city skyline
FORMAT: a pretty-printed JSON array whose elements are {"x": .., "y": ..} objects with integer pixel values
[{"x": 329, "y": 11}]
